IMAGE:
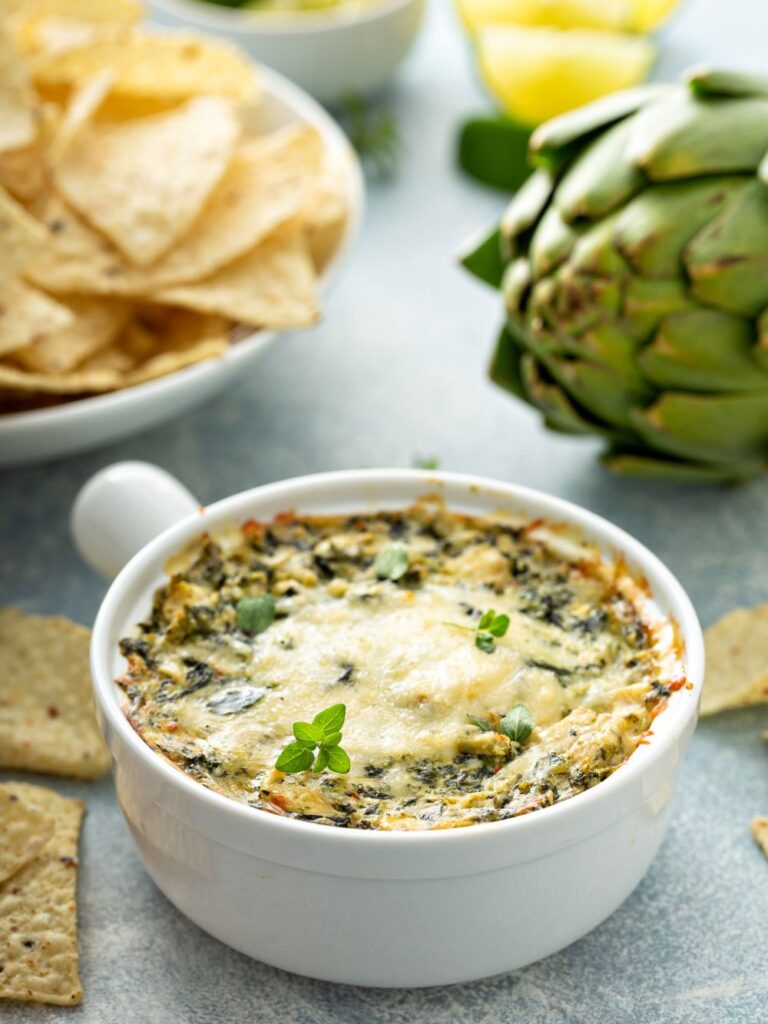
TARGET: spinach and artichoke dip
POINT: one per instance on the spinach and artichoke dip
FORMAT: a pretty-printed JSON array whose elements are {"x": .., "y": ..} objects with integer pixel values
[{"x": 487, "y": 667}]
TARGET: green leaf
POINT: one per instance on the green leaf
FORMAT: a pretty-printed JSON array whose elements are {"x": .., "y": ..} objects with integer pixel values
[
  {"x": 480, "y": 723},
  {"x": 307, "y": 734},
  {"x": 426, "y": 462},
  {"x": 486, "y": 620},
  {"x": 255, "y": 614},
  {"x": 338, "y": 760},
  {"x": 484, "y": 259},
  {"x": 485, "y": 642},
  {"x": 321, "y": 761},
  {"x": 392, "y": 563},
  {"x": 295, "y": 758},
  {"x": 499, "y": 626},
  {"x": 331, "y": 739},
  {"x": 332, "y": 719},
  {"x": 517, "y": 724},
  {"x": 494, "y": 151}
]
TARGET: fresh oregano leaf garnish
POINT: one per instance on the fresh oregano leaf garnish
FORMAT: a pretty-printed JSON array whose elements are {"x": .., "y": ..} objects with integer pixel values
[
  {"x": 392, "y": 563},
  {"x": 489, "y": 627},
  {"x": 517, "y": 724},
  {"x": 426, "y": 462},
  {"x": 255, "y": 614},
  {"x": 322, "y": 733}
]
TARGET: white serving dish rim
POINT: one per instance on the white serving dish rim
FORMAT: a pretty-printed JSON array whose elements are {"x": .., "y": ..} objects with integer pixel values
[
  {"x": 306, "y": 109},
  {"x": 667, "y": 727},
  {"x": 227, "y": 19}
]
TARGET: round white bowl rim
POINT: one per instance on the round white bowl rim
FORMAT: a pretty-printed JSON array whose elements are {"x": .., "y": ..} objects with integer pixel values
[
  {"x": 306, "y": 108},
  {"x": 256, "y": 23},
  {"x": 667, "y": 727}
]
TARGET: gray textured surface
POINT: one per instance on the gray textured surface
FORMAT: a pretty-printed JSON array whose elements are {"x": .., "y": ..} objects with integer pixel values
[{"x": 398, "y": 370}]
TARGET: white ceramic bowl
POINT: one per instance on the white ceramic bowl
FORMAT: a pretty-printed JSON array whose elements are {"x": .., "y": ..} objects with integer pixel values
[
  {"x": 91, "y": 422},
  {"x": 408, "y": 909},
  {"x": 331, "y": 54}
]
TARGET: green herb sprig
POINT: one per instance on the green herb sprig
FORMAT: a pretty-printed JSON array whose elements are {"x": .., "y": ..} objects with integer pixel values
[
  {"x": 489, "y": 628},
  {"x": 393, "y": 562},
  {"x": 323, "y": 734},
  {"x": 517, "y": 725},
  {"x": 255, "y": 614}
]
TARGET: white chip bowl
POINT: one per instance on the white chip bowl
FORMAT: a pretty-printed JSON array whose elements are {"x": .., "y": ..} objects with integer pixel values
[
  {"x": 332, "y": 54},
  {"x": 392, "y": 909},
  {"x": 91, "y": 422}
]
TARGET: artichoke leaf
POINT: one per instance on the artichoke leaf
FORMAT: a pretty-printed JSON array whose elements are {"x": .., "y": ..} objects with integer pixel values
[
  {"x": 595, "y": 252},
  {"x": 601, "y": 178},
  {"x": 685, "y": 137},
  {"x": 712, "y": 82},
  {"x": 484, "y": 259},
  {"x": 703, "y": 350},
  {"x": 653, "y": 230},
  {"x": 505, "y": 364},
  {"x": 582, "y": 301},
  {"x": 728, "y": 260},
  {"x": 634, "y": 463},
  {"x": 608, "y": 394},
  {"x": 559, "y": 411},
  {"x": 647, "y": 301},
  {"x": 524, "y": 210},
  {"x": 515, "y": 285},
  {"x": 494, "y": 151},
  {"x": 552, "y": 243},
  {"x": 553, "y": 143},
  {"x": 706, "y": 428}
]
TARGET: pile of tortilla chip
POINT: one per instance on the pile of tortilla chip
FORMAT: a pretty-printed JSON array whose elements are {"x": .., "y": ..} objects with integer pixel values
[{"x": 150, "y": 214}]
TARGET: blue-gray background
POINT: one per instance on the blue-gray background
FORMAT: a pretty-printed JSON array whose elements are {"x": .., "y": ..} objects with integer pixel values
[{"x": 397, "y": 370}]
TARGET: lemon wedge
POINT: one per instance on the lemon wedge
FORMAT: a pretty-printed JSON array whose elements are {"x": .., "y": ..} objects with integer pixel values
[
  {"x": 598, "y": 14},
  {"x": 648, "y": 14},
  {"x": 538, "y": 73}
]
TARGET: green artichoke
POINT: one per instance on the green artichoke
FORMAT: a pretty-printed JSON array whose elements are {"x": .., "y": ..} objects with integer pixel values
[{"x": 633, "y": 266}]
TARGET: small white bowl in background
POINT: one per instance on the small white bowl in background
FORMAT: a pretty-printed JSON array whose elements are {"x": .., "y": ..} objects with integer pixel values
[{"x": 331, "y": 54}]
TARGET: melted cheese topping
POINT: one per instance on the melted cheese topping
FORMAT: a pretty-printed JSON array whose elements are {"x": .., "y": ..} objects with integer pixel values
[{"x": 579, "y": 653}]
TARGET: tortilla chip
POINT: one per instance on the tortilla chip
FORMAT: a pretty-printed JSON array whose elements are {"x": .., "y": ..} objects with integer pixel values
[
  {"x": 18, "y": 124},
  {"x": 273, "y": 286},
  {"x": 165, "y": 340},
  {"x": 737, "y": 661},
  {"x": 267, "y": 184},
  {"x": 38, "y": 910},
  {"x": 96, "y": 322},
  {"x": 21, "y": 237},
  {"x": 47, "y": 722},
  {"x": 169, "y": 67},
  {"x": 122, "y": 12},
  {"x": 143, "y": 182},
  {"x": 112, "y": 358},
  {"x": 27, "y": 315},
  {"x": 760, "y": 833},
  {"x": 79, "y": 113},
  {"x": 24, "y": 830}
]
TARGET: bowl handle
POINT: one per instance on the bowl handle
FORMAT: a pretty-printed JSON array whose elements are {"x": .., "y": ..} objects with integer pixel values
[{"x": 123, "y": 507}]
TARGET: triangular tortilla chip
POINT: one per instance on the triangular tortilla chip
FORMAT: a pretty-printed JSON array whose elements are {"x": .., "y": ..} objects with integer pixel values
[
  {"x": 21, "y": 237},
  {"x": 38, "y": 910},
  {"x": 27, "y": 315},
  {"x": 273, "y": 286},
  {"x": 24, "y": 830},
  {"x": 143, "y": 182},
  {"x": 760, "y": 833},
  {"x": 95, "y": 325},
  {"x": 47, "y": 723},
  {"x": 737, "y": 661},
  {"x": 18, "y": 124},
  {"x": 170, "y": 67}
]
